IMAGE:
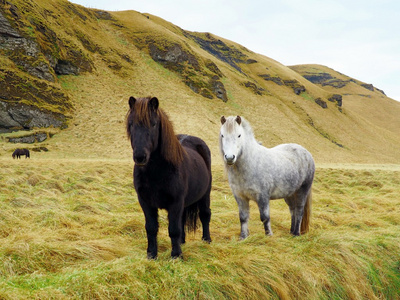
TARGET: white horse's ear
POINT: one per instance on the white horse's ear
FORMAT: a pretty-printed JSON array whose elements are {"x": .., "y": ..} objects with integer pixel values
[
  {"x": 223, "y": 120},
  {"x": 238, "y": 119}
]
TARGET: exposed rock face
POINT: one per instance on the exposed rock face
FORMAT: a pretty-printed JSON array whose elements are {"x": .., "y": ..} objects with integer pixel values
[
  {"x": 18, "y": 115},
  {"x": 336, "y": 98},
  {"x": 318, "y": 78},
  {"x": 187, "y": 65},
  {"x": 23, "y": 51},
  {"x": 295, "y": 85},
  {"x": 29, "y": 95},
  {"x": 30, "y": 139},
  {"x": 256, "y": 90},
  {"x": 219, "y": 49},
  {"x": 274, "y": 79},
  {"x": 368, "y": 86},
  {"x": 326, "y": 79},
  {"x": 219, "y": 89},
  {"x": 65, "y": 67},
  {"x": 173, "y": 56},
  {"x": 321, "y": 103}
]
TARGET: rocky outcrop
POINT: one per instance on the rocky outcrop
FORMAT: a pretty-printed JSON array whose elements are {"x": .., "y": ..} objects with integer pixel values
[
  {"x": 26, "y": 102},
  {"x": 22, "y": 116},
  {"x": 318, "y": 78},
  {"x": 337, "y": 99},
  {"x": 325, "y": 79},
  {"x": 292, "y": 83},
  {"x": 218, "y": 88},
  {"x": 204, "y": 81},
  {"x": 29, "y": 139},
  {"x": 274, "y": 79},
  {"x": 173, "y": 57},
  {"x": 295, "y": 85},
  {"x": 23, "y": 51},
  {"x": 368, "y": 86},
  {"x": 219, "y": 49},
  {"x": 256, "y": 89},
  {"x": 321, "y": 103}
]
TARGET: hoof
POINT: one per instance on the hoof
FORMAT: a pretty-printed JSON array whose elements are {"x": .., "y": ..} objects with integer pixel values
[
  {"x": 207, "y": 240},
  {"x": 151, "y": 256},
  {"x": 180, "y": 256}
]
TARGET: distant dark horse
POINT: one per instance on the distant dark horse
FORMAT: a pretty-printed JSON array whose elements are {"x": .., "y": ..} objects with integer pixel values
[
  {"x": 171, "y": 172},
  {"x": 19, "y": 152}
]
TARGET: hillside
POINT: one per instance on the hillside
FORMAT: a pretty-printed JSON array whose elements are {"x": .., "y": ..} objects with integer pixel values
[{"x": 75, "y": 68}]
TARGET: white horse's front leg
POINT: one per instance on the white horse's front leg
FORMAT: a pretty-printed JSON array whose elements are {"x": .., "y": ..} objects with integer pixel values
[
  {"x": 244, "y": 214},
  {"x": 263, "y": 206}
]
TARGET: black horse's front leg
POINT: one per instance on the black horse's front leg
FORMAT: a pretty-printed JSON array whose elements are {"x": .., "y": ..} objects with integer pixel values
[
  {"x": 151, "y": 216},
  {"x": 175, "y": 213}
]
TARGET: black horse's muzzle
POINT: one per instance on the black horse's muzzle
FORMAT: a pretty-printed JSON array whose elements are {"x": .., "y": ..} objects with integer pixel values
[{"x": 140, "y": 159}]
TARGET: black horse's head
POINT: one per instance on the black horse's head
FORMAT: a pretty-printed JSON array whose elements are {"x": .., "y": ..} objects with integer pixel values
[
  {"x": 150, "y": 130},
  {"x": 143, "y": 128}
]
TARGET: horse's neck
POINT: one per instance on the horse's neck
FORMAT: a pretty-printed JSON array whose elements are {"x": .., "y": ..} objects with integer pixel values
[{"x": 157, "y": 161}]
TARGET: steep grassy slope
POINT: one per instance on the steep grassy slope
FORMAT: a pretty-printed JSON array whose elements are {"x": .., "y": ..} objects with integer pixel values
[{"x": 193, "y": 74}]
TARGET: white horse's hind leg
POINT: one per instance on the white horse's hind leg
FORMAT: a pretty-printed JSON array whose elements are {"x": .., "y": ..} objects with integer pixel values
[
  {"x": 244, "y": 214},
  {"x": 296, "y": 206},
  {"x": 263, "y": 206}
]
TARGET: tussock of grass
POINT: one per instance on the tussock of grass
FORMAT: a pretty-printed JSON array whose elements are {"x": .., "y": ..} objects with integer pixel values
[{"x": 74, "y": 230}]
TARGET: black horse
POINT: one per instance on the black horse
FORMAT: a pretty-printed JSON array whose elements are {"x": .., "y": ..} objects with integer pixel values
[
  {"x": 20, "y": 152},
  {"x": 171, "y": 172}
]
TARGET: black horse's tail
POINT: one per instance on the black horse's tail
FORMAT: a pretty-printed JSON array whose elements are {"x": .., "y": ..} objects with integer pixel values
[{"x": 191, "y": 216}]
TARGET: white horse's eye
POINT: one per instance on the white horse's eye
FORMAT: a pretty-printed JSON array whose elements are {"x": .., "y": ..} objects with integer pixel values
[
  {"x": 222, "y": 135},
  {"x": 239, "y": 135}
]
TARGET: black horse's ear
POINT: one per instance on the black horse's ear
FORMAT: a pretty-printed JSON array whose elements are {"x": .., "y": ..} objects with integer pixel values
[
  {"x": 132, "y": 101},
  {"x": 223, "y": 120},
  {"x": 153, "y": 103},
  {"x": 238, "y": 119}
]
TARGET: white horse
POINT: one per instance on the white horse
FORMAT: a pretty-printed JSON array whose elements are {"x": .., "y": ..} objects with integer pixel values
[{"x": 260, "y": 174}]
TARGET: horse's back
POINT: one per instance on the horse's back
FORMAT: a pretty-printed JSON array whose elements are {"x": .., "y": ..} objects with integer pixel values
[
  {"x": 294, "y": 152},
  {"x": 198, "y": 145}
]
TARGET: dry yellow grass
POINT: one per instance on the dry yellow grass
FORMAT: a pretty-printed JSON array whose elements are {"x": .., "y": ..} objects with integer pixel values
[{"x": 73, "y": 229}]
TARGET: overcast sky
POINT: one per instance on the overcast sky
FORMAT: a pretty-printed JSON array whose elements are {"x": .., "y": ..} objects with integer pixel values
[{"x": 359, "y": 38}]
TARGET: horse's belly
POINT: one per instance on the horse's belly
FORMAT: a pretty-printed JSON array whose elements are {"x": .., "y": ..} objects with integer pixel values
[{"x": 278, "y": 193}]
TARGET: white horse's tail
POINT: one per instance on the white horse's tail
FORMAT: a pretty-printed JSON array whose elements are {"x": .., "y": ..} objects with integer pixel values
[{"x": 305, "y": 222}]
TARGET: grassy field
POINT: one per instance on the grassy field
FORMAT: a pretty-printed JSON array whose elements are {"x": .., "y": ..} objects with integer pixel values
[{"x": 73, "y": 229}]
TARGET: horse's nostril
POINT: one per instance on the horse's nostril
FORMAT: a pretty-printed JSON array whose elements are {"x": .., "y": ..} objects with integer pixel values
[
  {"x": 230, "y": 158},
  {"x": 140, "y": 159}
]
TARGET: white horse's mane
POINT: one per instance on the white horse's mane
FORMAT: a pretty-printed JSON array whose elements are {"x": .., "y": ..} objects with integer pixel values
[{"x": 247, "y": 128}]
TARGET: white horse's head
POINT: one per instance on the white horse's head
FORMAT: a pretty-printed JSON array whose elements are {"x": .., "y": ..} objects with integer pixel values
[{"x": 231, "y": 138}]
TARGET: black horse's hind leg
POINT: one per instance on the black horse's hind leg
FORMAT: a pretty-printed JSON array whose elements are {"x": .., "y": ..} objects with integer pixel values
[
  {"x": 183, "y": 233},
  {"x": 151, "y": 216},
  {"x": 175, "y": 213},
  {"x": 205, "y": 216}
]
